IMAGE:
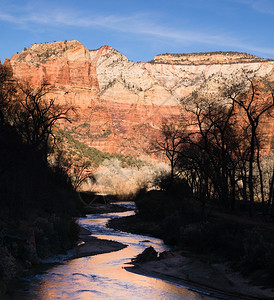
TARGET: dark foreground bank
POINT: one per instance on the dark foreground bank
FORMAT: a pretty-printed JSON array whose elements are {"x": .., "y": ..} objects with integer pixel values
[
  {"x": 227, "y": 253},
  {"x": 214, "y": 279},
  {"x": 25, "y": 246}
]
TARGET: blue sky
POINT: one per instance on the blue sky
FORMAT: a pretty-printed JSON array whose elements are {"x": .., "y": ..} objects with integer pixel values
[{"x": 141, "y": 29}]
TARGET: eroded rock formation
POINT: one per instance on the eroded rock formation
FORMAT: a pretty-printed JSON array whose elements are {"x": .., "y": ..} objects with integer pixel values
[{"x": 118, "y": 104}]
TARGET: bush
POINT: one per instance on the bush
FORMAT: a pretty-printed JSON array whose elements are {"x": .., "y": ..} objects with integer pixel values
[
  {"x": 54, "y": 234},
  {"x": 223, "y": 239},
  {"x": 258, "y": 250},
  {"x": 151, "y": 205},
  {"x": 178, "y": 185},
  {"x": 124, "y": 182},
  {"x": 171, "y": 229},
  {"x": 8, "y": 265}
]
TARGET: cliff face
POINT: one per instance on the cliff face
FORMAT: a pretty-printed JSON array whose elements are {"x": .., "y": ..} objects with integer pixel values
[
  {"x": 65, "y": 66},
  {"x": 207, "y": 58},
  {"x": 119, "y": 105}
]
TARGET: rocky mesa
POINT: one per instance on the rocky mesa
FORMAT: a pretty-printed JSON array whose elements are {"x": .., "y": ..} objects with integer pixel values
[{"x": 119, "y": 105}]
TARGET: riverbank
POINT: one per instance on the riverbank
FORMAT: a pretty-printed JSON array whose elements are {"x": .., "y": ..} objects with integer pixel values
[
  {"x": 30, "y": 246},
  {"x": 25, "y": 244},
  {"x": 89, "y": 245},
  {"x": 99, "y": 276},
  {"x": 189, "y": 271},
  {"x": 194, "y": 271},
  {"x": 212, "y": 279}
]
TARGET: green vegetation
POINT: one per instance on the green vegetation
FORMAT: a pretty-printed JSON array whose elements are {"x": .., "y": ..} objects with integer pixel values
[
  {"x": 103, "y": 135},
  {"x": 78, "y": 150}
]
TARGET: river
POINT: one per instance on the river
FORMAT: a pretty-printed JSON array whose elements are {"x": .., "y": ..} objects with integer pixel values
[{"x": 102, "y": 276}]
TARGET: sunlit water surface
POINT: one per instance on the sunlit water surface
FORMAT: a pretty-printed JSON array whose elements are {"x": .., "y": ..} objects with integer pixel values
[{"x": 103, "y": 276}]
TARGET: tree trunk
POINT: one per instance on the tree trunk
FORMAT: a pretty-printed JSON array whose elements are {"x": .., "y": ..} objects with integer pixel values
[
  {"x": 250, "y": 177},
  {"x": 271, "y": 196},
  {"x": 261, "y": 180},
  {"x": 233, "y": 189}
]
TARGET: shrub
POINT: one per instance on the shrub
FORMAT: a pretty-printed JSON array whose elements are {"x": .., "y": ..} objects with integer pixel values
[
  {"x": 178, "y": 185},
  {"x": 54, "y": 234},
  {"x": 8, "y": 265},
  {"x": 151, "y": 205},
  {"x": 124, "y": 182},
  {"x": 258, "y": 250}
]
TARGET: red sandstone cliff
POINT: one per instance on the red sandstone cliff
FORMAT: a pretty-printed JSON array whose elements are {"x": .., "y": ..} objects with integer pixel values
[
  {"x": 65, "y": 66},
  {"x": 121, "y": 103}
]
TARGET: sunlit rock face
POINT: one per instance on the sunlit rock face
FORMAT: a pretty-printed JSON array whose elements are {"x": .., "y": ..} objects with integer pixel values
[
  {"x": 65, "y": 66},
  {"x": 206, "y": 58},
  {"x": 119, "y": 105}
]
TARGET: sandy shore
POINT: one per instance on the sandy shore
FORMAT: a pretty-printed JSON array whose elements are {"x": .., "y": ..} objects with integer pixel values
[
  {"x": 214, "y": 279},
  {"x": 89, "y": 245}
]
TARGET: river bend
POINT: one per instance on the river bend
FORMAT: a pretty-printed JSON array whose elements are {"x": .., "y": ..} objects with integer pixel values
[{"x": 103, "y": 276}]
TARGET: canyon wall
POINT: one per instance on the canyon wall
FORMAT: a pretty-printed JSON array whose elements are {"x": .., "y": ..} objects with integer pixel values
[{"x": 119, "y": 105}]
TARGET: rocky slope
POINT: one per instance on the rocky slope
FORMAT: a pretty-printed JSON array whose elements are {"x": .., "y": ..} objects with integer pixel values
[{"x": 118, "y": 104}]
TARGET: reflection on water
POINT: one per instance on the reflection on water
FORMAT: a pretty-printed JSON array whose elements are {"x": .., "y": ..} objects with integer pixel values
[{"x": 103, "y": 276}]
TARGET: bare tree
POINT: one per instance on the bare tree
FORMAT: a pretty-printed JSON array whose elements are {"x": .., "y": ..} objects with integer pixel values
[
  {"x": 212, "y": 140},
  {"x": 81, "y": 173},
  {"x": 34, "y": 117},
  {"x": 256, "y": 98},
  {"x": 225, "y": 147},
  {"x": 169, "y": 143},
  {"x": 7, "y": 91}
]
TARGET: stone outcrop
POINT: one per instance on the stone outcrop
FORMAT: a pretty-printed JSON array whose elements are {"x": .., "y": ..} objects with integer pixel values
[
  {"x": 121, "y": 104},
  {"x": 206, "y": 58}
]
